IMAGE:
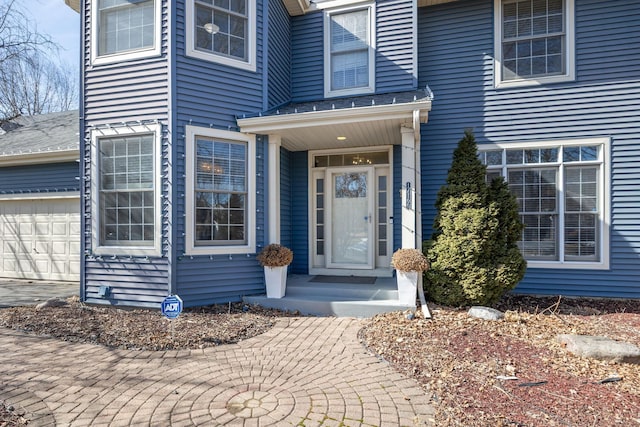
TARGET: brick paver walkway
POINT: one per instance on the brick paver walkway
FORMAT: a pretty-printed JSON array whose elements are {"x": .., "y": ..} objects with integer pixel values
[{"x": 303, "y": 372}]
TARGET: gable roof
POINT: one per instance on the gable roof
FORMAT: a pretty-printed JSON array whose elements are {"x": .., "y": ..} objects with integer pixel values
[{"x": 37, "y": 139}]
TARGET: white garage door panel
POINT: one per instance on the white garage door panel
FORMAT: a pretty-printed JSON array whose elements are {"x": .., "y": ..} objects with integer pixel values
[{"x": 40, "y": 239}]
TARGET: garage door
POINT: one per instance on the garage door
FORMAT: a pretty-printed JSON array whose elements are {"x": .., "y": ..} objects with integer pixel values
[{"x": 40, "y": 239}]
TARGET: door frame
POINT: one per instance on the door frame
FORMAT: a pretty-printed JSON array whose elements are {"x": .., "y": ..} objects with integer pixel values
[
  {"x": 377, "y": 269},
  {"x": 330, "y": 196}
]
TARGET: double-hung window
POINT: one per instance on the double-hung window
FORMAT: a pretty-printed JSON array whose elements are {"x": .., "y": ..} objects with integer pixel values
[
  {"x": 349, "y": 51},
  {"x": 534, "y": 41},
  {"x": 223, "y": 31},
  {"x": 125, "y": 29},
  {"x": 220, "y": 200},
  {"x": 561, "y": 189},
  {"x": 125, "y": 185}
]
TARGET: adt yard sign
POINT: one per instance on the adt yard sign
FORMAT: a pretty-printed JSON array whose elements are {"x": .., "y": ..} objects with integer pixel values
[{"x": 172, "y": 306}]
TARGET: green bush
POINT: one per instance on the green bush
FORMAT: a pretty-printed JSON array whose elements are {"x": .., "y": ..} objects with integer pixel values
[{"x": 473, "y": 252}]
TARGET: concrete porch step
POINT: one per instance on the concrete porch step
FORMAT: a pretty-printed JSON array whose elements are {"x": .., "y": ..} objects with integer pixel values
[{"x": 335, "y": 299}]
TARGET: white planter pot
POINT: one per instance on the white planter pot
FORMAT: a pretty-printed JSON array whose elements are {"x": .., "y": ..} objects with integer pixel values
[
  {"x": 407, "y": 286},
  {"x": 276, "y": 280}
]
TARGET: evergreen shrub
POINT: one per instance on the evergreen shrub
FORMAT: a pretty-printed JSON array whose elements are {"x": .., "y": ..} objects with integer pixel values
[{"x": 473, "y": 254}]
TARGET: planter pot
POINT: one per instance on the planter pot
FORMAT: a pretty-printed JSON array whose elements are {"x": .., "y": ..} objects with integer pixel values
[
  {"x": 276, "y": 280},
  {"x": 407, "y": 286}
]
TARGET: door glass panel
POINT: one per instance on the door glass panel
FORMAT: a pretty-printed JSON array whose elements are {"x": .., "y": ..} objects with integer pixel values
[
  {"x": 382, "y": 215},
  {"x": 319, "y": 217},
  {"x": 350, "y": 219}
]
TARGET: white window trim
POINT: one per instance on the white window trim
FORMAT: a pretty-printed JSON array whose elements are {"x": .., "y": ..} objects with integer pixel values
[
  {"x": 129, "y": 55},
  {"x": 96, "y": 135},
  {"x": 328, "y": 93},
  {"x": 570, "y": 64},
  {"x": 249, "y": 64},
  {"x": 191, "y": 132},
  {"x": 604, "y": 193}
]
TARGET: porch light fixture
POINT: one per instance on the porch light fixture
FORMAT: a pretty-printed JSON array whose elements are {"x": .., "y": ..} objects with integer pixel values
[
  {"x": 211, "y": 28},
  {"x": 341, "y": 138}
]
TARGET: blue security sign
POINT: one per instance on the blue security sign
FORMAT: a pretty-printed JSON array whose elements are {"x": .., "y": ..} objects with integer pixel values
[{"x": 172, "y": 306}]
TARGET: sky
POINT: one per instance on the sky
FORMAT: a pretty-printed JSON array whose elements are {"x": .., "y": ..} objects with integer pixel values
[{"x": 59, "y": 21}]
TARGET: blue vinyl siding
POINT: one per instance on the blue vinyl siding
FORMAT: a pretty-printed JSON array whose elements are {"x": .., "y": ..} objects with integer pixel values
[
  {"x": 211, "y": 94},
  {"x": 209, "y": 279},
  {"x": 286, "y": 186},
  {"x": 395, "y": 46},
  {"x": 394, "y": 51},
  {"x": 307, "y": 57},
  {"x": 279, "y": 58},
  {"x": 40, "y": 178},
  {"x": 455, "y": 51},
  {"x": 116, "y": 94},
  {"x": 132, "y": 282},
  {"x": 300, "y": 209}
]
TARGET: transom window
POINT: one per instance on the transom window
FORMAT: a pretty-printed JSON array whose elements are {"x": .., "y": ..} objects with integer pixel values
[
  {"x": 534, "y": 40},
  {"x": 125, "y": 185},
  {"x": 124, "y": 29},
  {"x": 220, "y": 195},
  {"x": 349, "y": 52},
  {"x": 222, "y": 31},
  {"x": 560, "y": 193}
]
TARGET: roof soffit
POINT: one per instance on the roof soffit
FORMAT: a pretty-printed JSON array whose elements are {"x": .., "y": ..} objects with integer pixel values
[{"x": 361, "y": 126}]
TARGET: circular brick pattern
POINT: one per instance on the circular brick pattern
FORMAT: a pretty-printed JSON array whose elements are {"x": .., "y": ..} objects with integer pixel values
[{"x": 305, "y": 371}]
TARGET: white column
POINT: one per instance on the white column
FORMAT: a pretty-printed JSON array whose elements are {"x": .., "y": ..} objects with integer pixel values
[
  {"x": 274, "y": 188},
  {"x": 408, "y": 190}
]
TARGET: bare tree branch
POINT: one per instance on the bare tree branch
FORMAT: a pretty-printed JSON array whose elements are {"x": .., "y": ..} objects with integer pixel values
[{"x": 30, "y": 82}]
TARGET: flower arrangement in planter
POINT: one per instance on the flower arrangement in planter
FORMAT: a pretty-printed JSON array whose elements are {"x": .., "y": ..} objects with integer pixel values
[
  {"x": 275, "y": 258},
  {"x": 409, "y": 263}
]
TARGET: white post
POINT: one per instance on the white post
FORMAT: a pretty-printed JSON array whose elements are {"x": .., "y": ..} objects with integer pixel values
[
  {"x": 274, "y": 188},
  {"x": 408, "y": 191}
]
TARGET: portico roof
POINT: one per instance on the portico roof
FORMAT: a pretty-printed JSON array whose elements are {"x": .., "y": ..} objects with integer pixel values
[{"x": 344, "y": 122}]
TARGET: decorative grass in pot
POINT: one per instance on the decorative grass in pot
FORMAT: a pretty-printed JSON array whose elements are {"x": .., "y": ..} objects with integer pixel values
[
  {"x": 275, "y": 258},
  {"x": 409, "y": 265}
]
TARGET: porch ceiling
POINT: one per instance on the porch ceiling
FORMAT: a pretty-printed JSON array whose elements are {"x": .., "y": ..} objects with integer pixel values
[{"x": 362, "y": 121}]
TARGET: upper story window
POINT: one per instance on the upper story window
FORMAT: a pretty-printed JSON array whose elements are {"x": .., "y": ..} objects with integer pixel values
[
  {"x": 534, "y": 42},
  {"x": 222, "y": 31},
  {"x": 349, "y": 51},
  {"x": 220, "y": 199},
  {"x": 561, "y": 189},
  {"x": 124, "y": 29},
  {"x": 125, "y": 191}
]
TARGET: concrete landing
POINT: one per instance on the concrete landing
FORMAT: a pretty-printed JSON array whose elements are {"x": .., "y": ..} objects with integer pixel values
[{"x": 335, "y": 299}]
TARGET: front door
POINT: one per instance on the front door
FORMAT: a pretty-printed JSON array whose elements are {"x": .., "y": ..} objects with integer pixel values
[
  {"x": 350, "y": 214},
  {"x": 350, "y": 222}
]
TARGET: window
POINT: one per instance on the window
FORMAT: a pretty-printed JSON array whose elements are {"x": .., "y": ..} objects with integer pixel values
[
  {"x": 220, "y": 213},
  {"x": 125, "y": 184},
  {"x": 223, "y": 31},
  {"x": 125, "y": 29},
  {"x": 562, "y": 195},
  {"x": 534, "y": 41},
  {"x": 349, "y": 52}
]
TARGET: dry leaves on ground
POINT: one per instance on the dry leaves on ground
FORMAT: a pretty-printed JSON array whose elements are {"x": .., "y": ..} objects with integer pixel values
[
  {"x": 143, "y": 329},
  {"x": 458, "y": 359}
]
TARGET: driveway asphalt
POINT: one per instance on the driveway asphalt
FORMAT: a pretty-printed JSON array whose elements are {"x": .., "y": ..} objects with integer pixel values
[
  {"x": 307, "y": 371},
  {"x": 17, "y": 292}
]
